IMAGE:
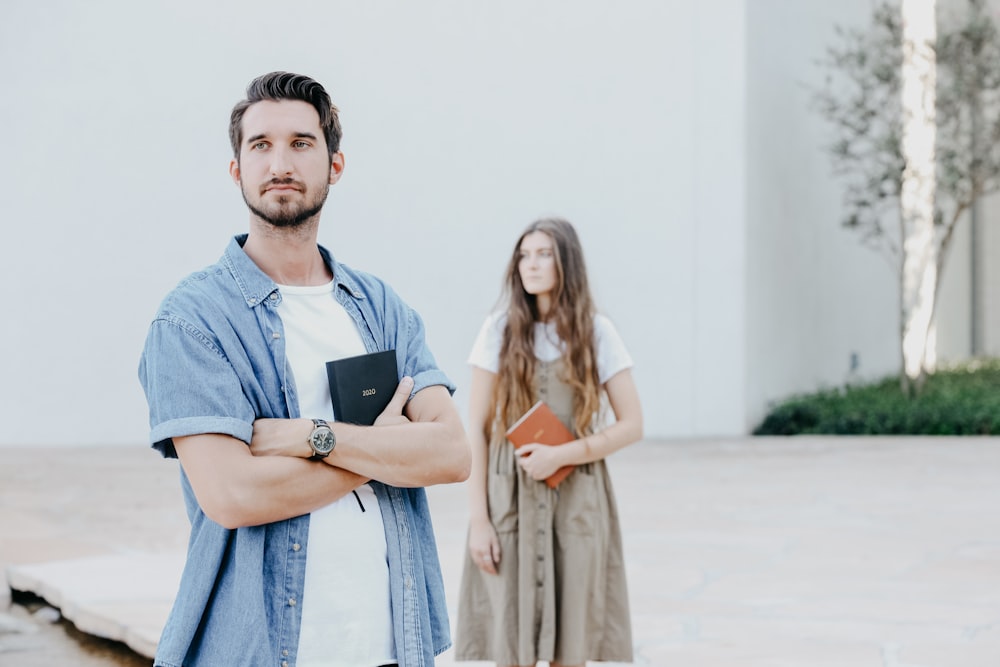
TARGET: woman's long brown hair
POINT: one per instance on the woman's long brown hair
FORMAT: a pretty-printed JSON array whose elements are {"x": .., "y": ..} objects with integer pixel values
[{"x": 572, "y": 311}]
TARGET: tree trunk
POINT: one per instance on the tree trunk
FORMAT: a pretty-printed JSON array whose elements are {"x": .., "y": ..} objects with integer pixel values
[{"x": 918, "y": 270}]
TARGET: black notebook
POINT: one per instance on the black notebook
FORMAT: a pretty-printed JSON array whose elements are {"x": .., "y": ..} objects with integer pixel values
[{"x": 361, "y": 386}]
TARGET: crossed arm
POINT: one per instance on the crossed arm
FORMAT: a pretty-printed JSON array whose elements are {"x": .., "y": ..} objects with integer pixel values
[{"x": 416, "y": 443}]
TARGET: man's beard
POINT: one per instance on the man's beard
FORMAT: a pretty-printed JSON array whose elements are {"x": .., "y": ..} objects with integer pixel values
[{"x": 286, "y": 215}]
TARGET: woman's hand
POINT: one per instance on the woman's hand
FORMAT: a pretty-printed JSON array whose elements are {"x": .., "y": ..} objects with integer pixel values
[
  {"x": 540, "y": 461},
  {"x": 484, "y": 546}
]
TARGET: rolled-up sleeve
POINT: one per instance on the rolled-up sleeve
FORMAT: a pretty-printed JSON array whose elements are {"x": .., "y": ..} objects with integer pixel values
[
  {"x": 191, "y": 386},
  {"x": 419, "y": 361}
]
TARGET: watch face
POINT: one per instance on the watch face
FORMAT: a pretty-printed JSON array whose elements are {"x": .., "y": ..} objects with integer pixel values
[{"x": 323, "y": 440}]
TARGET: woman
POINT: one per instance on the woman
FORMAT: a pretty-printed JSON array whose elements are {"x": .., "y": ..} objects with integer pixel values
[{"x": 544, "y": 577}]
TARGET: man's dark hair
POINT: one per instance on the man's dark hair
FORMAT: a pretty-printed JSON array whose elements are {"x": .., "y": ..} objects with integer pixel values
[{"x": 278, "y": 86}]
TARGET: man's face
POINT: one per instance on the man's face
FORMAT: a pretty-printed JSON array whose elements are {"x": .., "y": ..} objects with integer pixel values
[{"x": 284, "y": 169}]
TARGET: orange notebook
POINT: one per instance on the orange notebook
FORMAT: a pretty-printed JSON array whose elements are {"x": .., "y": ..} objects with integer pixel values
[{"x": 540, "y": 424}]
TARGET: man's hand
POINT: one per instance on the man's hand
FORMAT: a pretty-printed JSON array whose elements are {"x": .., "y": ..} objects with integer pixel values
[{"x": 393, "y": 413}]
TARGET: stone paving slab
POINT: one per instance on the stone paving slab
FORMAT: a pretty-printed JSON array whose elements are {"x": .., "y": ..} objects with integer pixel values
[
  {"x": 125, "y": 596},
  {"x": 769, "y": 552}
]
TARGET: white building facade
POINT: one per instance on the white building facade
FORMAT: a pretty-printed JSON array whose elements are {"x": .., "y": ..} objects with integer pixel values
[{"x": 677, "y": 136}]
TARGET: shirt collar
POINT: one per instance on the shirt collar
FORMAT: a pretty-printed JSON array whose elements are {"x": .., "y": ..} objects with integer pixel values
[{"x": 256, "y": 286}]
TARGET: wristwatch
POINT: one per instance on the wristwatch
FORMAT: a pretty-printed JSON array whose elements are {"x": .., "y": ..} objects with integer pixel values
[{"x": 322, "y": 440}]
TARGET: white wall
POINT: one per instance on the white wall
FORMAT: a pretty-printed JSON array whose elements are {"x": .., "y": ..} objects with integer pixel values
[
  {"x": 463, "y": 122},
  {"x": 677, "y": 136},
  {"x": 989, "y": 292},
  {"x": 718, "y": 373}
]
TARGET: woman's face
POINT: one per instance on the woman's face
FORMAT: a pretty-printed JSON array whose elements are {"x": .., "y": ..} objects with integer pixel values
[{"x": 537, "y": 264}]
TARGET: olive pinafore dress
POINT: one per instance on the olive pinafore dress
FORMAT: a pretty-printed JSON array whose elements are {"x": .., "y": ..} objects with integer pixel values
[{"x": 560, "y": 592}]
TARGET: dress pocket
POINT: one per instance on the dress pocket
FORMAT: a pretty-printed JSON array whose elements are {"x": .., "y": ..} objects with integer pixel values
[
  {"x": 578, "y": 505},
  {"x": 502, "y": 498}
]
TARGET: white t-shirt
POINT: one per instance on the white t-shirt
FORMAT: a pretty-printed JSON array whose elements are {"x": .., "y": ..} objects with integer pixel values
[
  {"x": 346, "y": 611},
  {"x": 612, "y": 356}
]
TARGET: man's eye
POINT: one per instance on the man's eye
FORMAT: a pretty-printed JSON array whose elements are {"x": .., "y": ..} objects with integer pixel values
[
  {"x": 301, "y": 144},
  {"x": 259, "y": 146}
]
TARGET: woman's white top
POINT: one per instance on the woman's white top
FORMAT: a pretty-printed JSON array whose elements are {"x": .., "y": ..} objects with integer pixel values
[{"x": 612, "y": 356}]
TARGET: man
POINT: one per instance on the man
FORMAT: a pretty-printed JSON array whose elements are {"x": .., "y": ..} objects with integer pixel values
[{"x": 311, "y": 542}]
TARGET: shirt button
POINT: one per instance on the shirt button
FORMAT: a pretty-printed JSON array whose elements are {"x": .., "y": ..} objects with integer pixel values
[
  {"x": 284, "y": 663},
  {"x": 296, "y": 546},
  {"x": 409, "y": 582},
  {"x": 291, "y": 602},
  {"x": 273, "y": 297},
  {"x": 285, "y": 653}
]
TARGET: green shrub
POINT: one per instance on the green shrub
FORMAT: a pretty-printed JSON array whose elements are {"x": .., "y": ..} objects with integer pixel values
[{"x": 959, "y": 400}]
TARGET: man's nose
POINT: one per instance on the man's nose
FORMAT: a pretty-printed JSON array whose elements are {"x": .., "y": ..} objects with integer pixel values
[{"x": 281, "y": 163}]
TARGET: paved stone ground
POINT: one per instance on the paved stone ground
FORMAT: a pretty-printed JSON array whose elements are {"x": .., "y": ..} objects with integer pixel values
[{"x": 798, "y": 552}]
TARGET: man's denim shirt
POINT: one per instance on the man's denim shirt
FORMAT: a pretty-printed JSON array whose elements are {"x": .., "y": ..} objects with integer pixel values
[{"x": 214, "y": 361}]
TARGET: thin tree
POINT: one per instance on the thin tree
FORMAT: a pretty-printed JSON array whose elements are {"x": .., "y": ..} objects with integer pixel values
[{"x": 863, "y": 100}]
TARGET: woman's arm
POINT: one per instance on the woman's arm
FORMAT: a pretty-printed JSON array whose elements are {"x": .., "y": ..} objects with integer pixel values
[
  {"x": 484, "y": 547},
  {"x": 480, "y": 421},
  {"x": 540, "y": 461}
]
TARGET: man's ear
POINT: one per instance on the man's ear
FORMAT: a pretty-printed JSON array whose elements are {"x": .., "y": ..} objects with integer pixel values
[
  {"x": 234, "y": 171},
  {"x": 336, "y": 167}
]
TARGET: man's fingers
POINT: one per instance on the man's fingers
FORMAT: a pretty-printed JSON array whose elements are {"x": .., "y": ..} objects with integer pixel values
[
  {"x": 398, "y": 400},
  {"x": 393, "y": 412}
]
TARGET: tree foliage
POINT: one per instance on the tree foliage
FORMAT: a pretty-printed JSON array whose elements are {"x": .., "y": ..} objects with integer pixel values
[{"x": 862, "y": 101}]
